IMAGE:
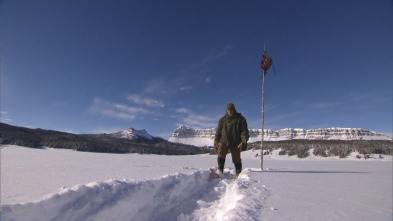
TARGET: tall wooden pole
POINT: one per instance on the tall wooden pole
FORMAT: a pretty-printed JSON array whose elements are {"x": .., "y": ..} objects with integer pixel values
[
  {"x": 263, "y": 109},
  {"x": 263, "y": 115}
]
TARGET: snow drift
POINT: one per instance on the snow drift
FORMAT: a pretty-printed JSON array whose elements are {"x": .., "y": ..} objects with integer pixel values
[{"x": 172, "y": 197}]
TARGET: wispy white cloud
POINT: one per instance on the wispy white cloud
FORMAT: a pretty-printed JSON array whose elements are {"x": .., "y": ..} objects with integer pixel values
[
  {"x": 198, "y": 70},
  {"x": 186, "y": 78},
  {"x": 186, "y": 88},
  {"x": 192, "y": 119},
  {"x": 182, "y": 110},
  {"x": 372, "y": 97},
  {"x": 324, "y": 104},
  {"x": 156, "y": 86},
  {"x": 4, "y": 117},
  {"x": 150, "y": 102},
  {"x": 211, "y": 57},
  {"x": 216, "y": 55},
  {"x": 270, "y": 107},
  {"x": 362, "y": 96},
  {"x": 114, "y": 110}
]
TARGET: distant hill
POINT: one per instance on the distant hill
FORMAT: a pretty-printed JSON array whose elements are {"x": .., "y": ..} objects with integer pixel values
[{"x": 136, "y": 142}]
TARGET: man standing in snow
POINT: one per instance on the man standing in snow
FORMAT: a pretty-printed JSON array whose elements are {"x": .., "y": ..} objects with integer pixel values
[{"x": 231, "y": 134}]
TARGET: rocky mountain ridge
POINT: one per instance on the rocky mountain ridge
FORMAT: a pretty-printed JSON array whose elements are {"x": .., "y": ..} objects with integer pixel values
[{"x": 205, "y": 137}]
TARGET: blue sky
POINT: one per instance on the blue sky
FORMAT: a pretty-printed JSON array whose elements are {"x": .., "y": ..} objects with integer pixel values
[{"x": 104, "y": 66}]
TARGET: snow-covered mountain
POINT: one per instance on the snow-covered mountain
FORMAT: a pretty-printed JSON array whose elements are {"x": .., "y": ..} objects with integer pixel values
[
  {"x": 334, "y": 133},
  {"x": 197, "y": 137},
  {"x": 205, "y": 137},
  {"x": 133, "y": 134}
]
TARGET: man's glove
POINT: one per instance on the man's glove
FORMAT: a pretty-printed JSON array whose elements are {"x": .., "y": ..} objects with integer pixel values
[
  {"x": 216, "y": 145},
  {"x": 242, "y": 146}
]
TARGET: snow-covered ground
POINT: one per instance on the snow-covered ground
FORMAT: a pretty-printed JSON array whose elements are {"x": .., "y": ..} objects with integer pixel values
[{"x": 49, "y": 184}]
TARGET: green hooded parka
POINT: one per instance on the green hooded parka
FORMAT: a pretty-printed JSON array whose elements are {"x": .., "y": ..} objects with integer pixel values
[{"x": 232, "y": 131}]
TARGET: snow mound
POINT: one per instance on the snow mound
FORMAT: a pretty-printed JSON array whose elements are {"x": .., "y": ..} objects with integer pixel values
[{"x": 172, "y": 197}]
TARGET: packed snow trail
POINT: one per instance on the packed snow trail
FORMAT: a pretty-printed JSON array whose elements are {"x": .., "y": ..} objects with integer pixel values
[
  {"x": 172, "y": 197},
  {"x": 241, "y": 199}
]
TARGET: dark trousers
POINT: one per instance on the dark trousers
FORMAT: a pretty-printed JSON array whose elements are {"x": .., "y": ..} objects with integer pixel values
[{"x": 235, "y": 152}]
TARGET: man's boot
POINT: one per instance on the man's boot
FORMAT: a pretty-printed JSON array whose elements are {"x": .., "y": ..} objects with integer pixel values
[
  {"x": 221, "y": 163},
  {"x": 238, "y": 167}
]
